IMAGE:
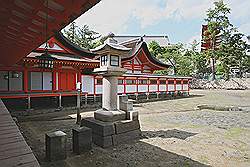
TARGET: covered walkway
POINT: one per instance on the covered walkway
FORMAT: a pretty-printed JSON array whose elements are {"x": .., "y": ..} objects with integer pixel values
[{"x": 14, "y": 151}]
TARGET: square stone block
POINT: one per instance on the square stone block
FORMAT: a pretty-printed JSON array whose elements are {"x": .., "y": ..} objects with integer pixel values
[
  {"x": 132, "y": 115},
  {"x": 109, "y": 116},
  {"x": 98, "y": 127},
  {"x": 102, "y": 141},
  {"x": 126, "y": 125},
  {"x": 56, "y": 145},
  {"x": 126, "y": 137},
  {"x": 82, "y": 139}
]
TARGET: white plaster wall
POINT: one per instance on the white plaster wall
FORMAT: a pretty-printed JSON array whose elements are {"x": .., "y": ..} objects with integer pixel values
[
  {"x": 137, "y": 72},
  {"x": 130, "y": 88},
  {"x": 178, "y": 87},
  {"x": 185, "y": 87},
  {"x": 3, "y": 82},
  {"x": 162, "y": 87},
  {"x": 120, "y": 88},
  {"x": 36, "y": 80},
  {"x": 47, "y": 80},
  {"x": 16, "y": 84},
  {"x": 170, "y": 87},
  {"x": 142, "y": 88},
  {"x": 153, "y": 88},
  {"x": 88, "y": 84},
  {"x": 98, "y": 89}
]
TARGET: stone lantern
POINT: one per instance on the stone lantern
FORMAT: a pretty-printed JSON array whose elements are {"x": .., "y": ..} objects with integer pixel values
[
  {"x": 110, "y": 68},
  {"x": 112, "y": 125}
]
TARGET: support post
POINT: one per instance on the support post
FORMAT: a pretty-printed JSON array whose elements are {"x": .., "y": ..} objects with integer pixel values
[
  {"x": 78, "y": 107},
  {"x": 86, "y": 99},
  {"x": 60, "y": 100},
  {"x": 29, "y": 102}
]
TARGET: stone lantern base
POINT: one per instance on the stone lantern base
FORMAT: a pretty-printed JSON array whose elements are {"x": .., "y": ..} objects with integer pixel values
[
  {"x": 108, "y": 134},
  {"x": 109, "y": 116}
]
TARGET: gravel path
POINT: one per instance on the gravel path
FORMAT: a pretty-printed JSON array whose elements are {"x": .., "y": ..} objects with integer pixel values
[{"x": 173, "y": 134}]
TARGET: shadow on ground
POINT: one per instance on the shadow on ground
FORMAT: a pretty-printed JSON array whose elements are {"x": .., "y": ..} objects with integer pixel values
[
  {"x": 173, "y": 133},
  {"x": 135, "y": 154}
]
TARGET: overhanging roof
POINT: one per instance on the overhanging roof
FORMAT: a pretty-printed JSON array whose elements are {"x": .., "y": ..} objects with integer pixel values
[{"x": 22, "y": 24}]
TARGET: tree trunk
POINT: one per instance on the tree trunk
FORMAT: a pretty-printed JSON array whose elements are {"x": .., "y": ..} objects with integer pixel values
[{"x": 213, "y": 68}]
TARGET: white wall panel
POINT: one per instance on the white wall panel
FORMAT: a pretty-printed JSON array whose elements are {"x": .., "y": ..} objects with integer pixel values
[
  {"x": 178, "y": 87},
  {"x": 162, "y": 87},
  {"x": 98, "y": 89},
  {"x": 47, "y": 80},
  {"x": 170, "y": 87},
  {"x": 36, "y": 80},
  {"x": 88, "y": 84},
  {"x": 153, "y": 88},
  {"x": 120, "y": 88},
  {"x": 130, "y": 88},
  {"x": 142, "y": 88},
  {"x": 3, "y": 81},
  {"x": 16, "y": 84},
  {"x": 185, "y": 87}
]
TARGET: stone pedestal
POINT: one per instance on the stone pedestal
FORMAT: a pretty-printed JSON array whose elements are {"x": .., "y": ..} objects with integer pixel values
[
  {"x": 107, "y": 134},
  {"x": 109, "y": 116},
  {"x": 82, "y": 139},
  {"x": 56, "y": 145}
]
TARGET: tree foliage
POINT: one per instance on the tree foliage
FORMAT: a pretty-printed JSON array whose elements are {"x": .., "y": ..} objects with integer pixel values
[
  {"x": 232, "y": 49},
  {"x": 185, "y": 62},
  {"x": 82, "y": 36}
]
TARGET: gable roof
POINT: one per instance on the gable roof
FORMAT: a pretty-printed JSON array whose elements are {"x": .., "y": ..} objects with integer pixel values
[{"x": 141, "y": 51}]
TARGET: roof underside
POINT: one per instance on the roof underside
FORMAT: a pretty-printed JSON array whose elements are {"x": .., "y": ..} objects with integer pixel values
[{"x": 22, "y": 24}]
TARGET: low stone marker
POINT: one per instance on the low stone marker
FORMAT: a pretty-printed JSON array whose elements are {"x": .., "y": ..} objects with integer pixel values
[
  {"x": 56, "y": 145},
  {"x": 82, "y": 139}
]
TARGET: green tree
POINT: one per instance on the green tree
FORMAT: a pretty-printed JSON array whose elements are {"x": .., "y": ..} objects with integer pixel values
[
  {"x": 233, "y": 54},
  {"x": 199, "y": 59},
  {"x": 71, "y": 32},
  {"x": 82, "y": 36},
  {"x": 219, "y": 26},
  {"x": 175, "y": 55}
]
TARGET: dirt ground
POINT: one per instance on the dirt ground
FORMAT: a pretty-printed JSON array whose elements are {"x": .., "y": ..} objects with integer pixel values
[{"x": 174, "y": 133}]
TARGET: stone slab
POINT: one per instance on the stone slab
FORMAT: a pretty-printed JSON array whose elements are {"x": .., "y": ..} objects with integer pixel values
[
  {"x": 82, "y": 139},
  {"x": 55, "y": 145},
  {"x": 132, "y": 115},
  {"x": 126, "y": 125},
  {"x": 98, "y": 127},
  {"x": 126, "y": 137},
  {"x": 102, "y": 141},
  {"x": 126, "y": 106},
  {"x": 109, "y": 116}
]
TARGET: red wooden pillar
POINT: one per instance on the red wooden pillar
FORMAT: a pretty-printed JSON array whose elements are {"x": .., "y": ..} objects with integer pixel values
[
  {"x": 174, "y": 85},
  {"x": 25, "y": 80},
  {"x": 166, "y": 85}
]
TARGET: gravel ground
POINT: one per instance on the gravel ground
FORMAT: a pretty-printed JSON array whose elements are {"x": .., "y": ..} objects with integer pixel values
[{"x": 174, "y": 133}]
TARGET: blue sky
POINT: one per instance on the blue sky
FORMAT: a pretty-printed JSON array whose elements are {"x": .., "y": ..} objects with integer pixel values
[{"x": 181, "y": 20}]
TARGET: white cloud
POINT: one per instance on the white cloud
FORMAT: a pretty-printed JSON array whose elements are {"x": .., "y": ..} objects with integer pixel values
[
  {"x": 115, "y": 15},
  {"x": 108, "y": 15},
  {"x": 245, "y": 28}
]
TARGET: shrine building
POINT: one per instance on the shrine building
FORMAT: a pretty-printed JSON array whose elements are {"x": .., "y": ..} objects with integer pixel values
[{"x": 73, "y": 64}]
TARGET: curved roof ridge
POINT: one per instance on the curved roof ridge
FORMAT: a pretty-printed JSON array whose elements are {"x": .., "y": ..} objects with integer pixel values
[{"x": 75, "y": 48}]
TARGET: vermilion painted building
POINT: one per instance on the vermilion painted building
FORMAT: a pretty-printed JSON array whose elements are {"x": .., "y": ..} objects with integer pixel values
[{"x": 74, "y": 64}]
